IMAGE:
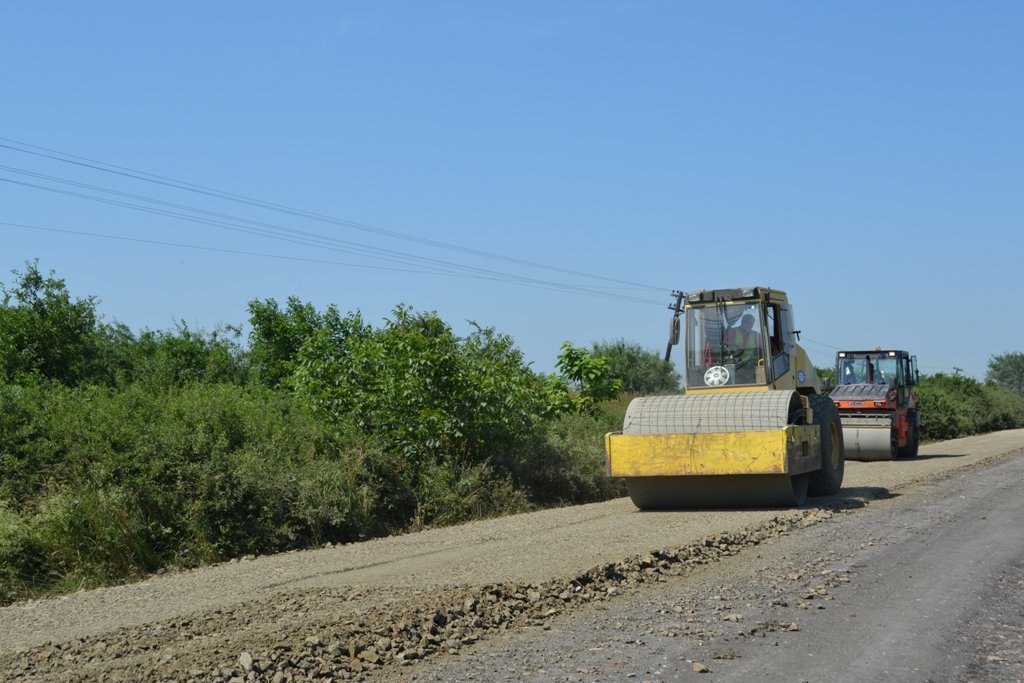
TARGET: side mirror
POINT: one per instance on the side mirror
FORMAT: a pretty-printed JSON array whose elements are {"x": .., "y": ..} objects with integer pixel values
[
  {"x": 673, "y": 337},
  {"x": 826, "y": 385}
]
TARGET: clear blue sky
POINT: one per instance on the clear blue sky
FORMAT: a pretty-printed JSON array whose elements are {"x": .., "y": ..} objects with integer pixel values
[{"x": 868, "y": 158}]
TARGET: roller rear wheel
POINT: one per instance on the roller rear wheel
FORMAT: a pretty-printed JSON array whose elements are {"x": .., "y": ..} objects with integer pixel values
[
  {"x": 829, "y": 479},
  {"x": 913, "y": 437}
]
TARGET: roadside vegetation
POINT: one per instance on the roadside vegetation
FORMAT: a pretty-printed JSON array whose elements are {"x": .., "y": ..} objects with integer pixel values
[
  {"x": 954, "y": 405},
  {"x": 123, "y": 454}
]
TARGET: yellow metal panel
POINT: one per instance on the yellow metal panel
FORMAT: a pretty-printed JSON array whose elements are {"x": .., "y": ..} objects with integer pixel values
[{"x": 793, "y": 450}]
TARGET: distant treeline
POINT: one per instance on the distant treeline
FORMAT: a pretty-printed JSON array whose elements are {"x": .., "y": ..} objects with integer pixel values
[{"x": 122, "y": 453}]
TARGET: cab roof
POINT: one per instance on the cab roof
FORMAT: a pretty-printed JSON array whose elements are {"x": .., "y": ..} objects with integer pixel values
[{"x": 757, "y": 292}]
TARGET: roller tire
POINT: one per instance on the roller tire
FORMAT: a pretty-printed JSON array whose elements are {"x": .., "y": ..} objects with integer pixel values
[
  {"x": 913, "y": 437},
  {"x": 829, "y": 479},
  {"x": 801, "y": 484}
]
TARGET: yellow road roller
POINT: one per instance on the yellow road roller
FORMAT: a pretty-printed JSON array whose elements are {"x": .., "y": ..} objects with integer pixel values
[{"x": 753, "y": 429}]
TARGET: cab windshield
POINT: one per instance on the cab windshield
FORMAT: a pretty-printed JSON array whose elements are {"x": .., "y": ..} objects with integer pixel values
[
  {"x": 866, "y": 370},
  {"x": 724, "y": 345}
]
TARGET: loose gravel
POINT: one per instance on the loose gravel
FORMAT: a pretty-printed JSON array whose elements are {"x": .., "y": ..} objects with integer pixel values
[{"x": 352, "y": 634}]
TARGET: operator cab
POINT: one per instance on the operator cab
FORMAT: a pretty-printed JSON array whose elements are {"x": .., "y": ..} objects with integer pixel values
[
  {"x": 895, "y": 368},
  {"x": 736, "y": 338}
]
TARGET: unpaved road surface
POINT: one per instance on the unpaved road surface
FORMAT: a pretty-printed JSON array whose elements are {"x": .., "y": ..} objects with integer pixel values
[{"x": 912, "y": 572}]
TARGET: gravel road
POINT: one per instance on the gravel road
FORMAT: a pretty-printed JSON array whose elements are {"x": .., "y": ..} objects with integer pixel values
[
  {"x": 923, "y": 586},
  {"x": 597, "y": 592}
]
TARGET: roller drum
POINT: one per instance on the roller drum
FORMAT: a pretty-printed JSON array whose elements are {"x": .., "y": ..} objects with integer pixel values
[
  {"x": 869, "y": 436},
  {"x": 748, "y": 411},
  {"x": 711, "y": 413},
  {"x": 869, "y": 443}
]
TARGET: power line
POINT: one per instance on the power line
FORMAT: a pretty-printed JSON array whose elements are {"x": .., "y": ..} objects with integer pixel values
[
  {"x": 538, "y": 284},
  {"x": 222, "y": 250},
  {"x": 805, "y": 338},
  {"x": 309, "y": 241},
  {"x": 319, "y": 241},
  {"x": 105, "y": 167},
  {"x": 263, "y": 229}
]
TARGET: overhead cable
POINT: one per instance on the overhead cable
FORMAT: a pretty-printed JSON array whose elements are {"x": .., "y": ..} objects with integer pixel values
[{"x": 105, "y": 167}]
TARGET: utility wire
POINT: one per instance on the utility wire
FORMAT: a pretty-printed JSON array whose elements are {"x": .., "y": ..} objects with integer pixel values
[
  {"x": 272, "y": 231},
  {"x": 539, "y": 284},
  {"x": 64, "y": 157},
  {"x": 820, "y": 343},
  {"x": 353, "y": 248},
  {"x": 300, "y": 237},
  {"x": 265, "y": 229}
]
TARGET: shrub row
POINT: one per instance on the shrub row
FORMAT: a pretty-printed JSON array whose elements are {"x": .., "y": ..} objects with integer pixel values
[
  {"x": 104, "y": 485},
  {"x": 954, "y": 405}
]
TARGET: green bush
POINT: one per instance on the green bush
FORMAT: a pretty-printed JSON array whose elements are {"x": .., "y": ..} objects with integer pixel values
[
  {"x": 452, "y": 494},
  {"x": 952, "y": 406},
  {"x": 426, "y": 395},
  {"x": 121, "y": 482},
  {"x": 22, "y": 560},
  {"x": 93, "y": 536},
  {"x": 22, "y": 446},
  {"x": 640, "y": 371},
  {"x": 566, "y": 464},
  {"x": 1006, "y": 408},
  {"x": 584, "y": 381}
]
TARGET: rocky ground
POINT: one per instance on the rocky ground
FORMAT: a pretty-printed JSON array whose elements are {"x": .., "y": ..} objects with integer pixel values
[
  {"x": 559, "y": 595},
  {"x": 354, "y": 633}
]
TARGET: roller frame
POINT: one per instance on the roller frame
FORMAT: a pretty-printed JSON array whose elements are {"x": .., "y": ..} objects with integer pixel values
[{"x": 795, "y": 449}]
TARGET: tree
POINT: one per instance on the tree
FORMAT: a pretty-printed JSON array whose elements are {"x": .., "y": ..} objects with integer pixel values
[
  {"x": 165, "y": 359},
  {"x": 429, "y": 395},
  {"x": 1007, "y": 370},
  {"x": 826, "y": 374},
  {"x": 43, "y": 332},
  {"x": 277, "y": 336},
  {"x": 584, "y": 381},
  {"x": 641, "y": 371}
]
